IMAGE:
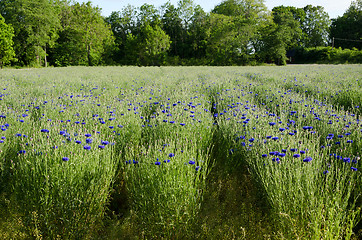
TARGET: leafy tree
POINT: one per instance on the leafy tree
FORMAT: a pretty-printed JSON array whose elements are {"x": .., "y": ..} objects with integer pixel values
[
  {"x": 6, "y": 42},
  {"x": 347, "y": 29},
  {"x": 153, "y": 46},
  {"x": 172, "y": 25},
  {"x": 248, "y": 16},
  {"x": 148, "y": 15},
  {"x": 250, "y": 10},
  {"x": 278, "y": 37},
  {"x": 85, "y": 39},
  {"x": 36, "y": 24},
  {"x": 315, "y": 26},
  {"x": 122, "y": 24},
  {"x": 198, "y": 33},
  {"x": 222, "y": 40},
  {"x": 298, "y": 14}
]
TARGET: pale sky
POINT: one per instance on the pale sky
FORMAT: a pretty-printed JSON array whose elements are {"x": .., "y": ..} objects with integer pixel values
[{"x": 333, "y": 7}]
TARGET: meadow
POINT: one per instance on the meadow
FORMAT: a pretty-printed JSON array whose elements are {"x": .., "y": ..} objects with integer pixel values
[{"x": 181, "y": 152}]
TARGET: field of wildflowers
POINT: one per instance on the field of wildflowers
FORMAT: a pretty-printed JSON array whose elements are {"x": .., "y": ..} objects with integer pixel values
[{"x": 181, "y": 152}]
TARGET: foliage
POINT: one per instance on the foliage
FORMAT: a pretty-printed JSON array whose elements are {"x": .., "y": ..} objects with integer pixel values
[
  {"x": 315, "y": 26},
  {"x": 346, "y": 29},
  {"x": 85, "y": 38},
  {"x": 328, "y": 55},
  {"x": 280, "y": 35},
  {"x": 36, "y": 25},
  {"x": 247, "y": 33},
  {"x": 6, "y": 42}
]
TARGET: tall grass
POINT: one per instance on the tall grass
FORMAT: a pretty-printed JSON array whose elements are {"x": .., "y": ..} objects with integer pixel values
[{"x": 180, "y": 153}]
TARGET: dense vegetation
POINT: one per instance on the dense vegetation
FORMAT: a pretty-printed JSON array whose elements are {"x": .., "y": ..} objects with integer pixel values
[
  {"x": 181, "y": 153},
  {"x": 235, "y": 32}
]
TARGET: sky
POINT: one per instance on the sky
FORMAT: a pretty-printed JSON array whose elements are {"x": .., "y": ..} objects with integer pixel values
[{"x": 334, "y": 8}]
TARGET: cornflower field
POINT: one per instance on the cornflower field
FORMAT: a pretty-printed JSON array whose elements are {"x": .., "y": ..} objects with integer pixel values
[{"x": 181, "y": 152}]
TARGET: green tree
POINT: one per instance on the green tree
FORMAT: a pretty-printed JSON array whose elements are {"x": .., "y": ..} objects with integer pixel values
[
  {"x": 36, "y": 24},
  {"x": 172, "y": 25},
  {"x": 153, "y": 46},
  {"x": 346, "y": 30},
  {"x": 122, "y": 24},
  {"x": 315, "y": 26},
  {"x": 198, "y": 33},
  {"x": 298, "y": 14},
  {"x": 279, "y": 36},
  {"x": 85, "y": 39},
  {"x": 222, "y": 40},
  {"x": 248, "y": 17},
  {"x": 6, "y": 42}
]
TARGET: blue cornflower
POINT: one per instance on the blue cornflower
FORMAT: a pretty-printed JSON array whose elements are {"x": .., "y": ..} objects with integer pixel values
[
  {"x": 182, "y": 124},
  {"x": 354, "y": 169},
  {"x": 191, "y": 162},
  {"x": 22, "y": 152},
  {"x": 44, "y": 130},
  {"x": 264, "y": 155},
  {"x": 307, "y": 159},
  {"x": 18, "y": 134},
  {"x": 87, "y": 147},
  {"x": 302, "y": 152},
  {"x": 281, "y": 129},
  {"x": 251, "y": 140},
  {"x": 157, "y": 162},
  {"x": 65, "y": 159},
  {"x": 171, "y": 155},
  {"x": 346, "y": 160},
  {"x": 275, "y": 138},
  {"x": 101, "y": 146},
  {"x": 325, "y": 172},
  {"x": 166, "y": 161},
  {"x": 77, "y": 141},
  {"x": 105, "y": 142},
  {"x": 296, "y": 155},
  {"x": 88, "y": 140},
  {"x": 197, "y": 168},
  {"x": 349, "y": 141},
  {"x": 62, "y": 132},
  {"x": 88, "y": 135}
]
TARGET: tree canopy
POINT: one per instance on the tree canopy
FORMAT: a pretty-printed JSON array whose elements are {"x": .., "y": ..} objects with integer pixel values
[
  {"x": 235, "y": 32},
  {"x": 7, "y": 52},
  {"x": 346, "y": 29}
]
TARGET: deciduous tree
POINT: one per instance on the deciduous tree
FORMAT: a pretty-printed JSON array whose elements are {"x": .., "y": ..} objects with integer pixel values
[
  {"x": 7, "y": 52},
  {"x": 347, "y": 29}
]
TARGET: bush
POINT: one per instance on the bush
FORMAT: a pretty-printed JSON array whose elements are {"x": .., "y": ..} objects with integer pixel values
[{"x": 327, "y": 55}]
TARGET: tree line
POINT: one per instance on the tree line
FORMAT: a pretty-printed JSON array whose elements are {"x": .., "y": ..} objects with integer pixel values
[{"x": 235, "y": 32}]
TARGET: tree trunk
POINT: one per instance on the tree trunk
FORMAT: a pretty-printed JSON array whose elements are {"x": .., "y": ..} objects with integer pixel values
[
  {"x": 88, "y": 55},
  {"x": 45, "y": 57}
]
